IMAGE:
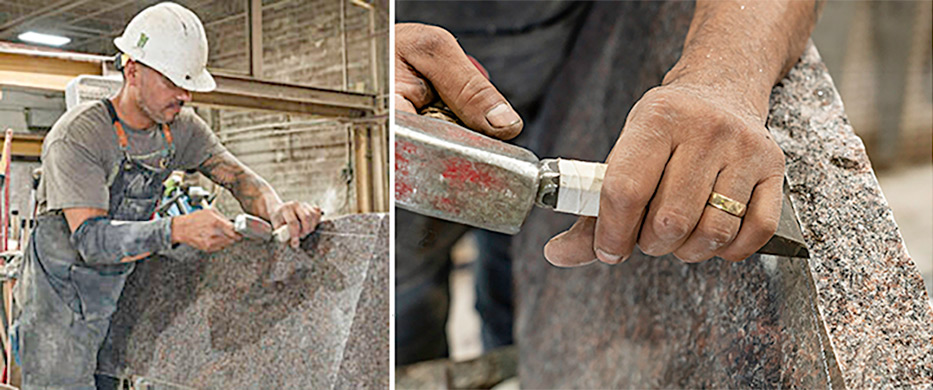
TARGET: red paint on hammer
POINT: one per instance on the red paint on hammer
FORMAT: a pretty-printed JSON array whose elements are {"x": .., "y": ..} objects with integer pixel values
[
  {"x": 402, "y": 188},
  {"x": 462, "y": 172}
]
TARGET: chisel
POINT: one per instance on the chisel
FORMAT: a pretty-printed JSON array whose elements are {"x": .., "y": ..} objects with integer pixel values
[{"x": 449, "y": 172}]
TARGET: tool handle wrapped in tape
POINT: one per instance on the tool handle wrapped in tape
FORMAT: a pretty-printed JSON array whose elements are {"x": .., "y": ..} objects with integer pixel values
[
  {"x": 571, "y": 186},
  {"x": 256, "y": 228}
]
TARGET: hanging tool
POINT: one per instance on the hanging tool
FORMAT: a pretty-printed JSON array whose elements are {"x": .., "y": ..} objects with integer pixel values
[
  {"x": 179, "y": 198},
  {"x": 449, "y": 172}
]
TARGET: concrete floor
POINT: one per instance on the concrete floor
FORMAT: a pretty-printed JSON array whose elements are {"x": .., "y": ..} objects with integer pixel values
[{"x": 908, "y": 190}]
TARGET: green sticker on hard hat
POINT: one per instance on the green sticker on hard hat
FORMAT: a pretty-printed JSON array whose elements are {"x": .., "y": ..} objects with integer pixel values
[{"x": 142, "y": 40}]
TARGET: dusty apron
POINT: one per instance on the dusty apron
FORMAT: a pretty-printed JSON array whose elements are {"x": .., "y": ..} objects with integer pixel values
[{"x": 66, "y": 303}]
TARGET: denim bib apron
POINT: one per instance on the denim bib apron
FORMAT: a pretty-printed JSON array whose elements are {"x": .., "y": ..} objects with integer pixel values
[{"x": 66, "y": 304}]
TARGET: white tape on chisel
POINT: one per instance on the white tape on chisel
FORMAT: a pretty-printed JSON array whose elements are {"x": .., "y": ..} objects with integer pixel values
[{"x": 580, "y": 183}]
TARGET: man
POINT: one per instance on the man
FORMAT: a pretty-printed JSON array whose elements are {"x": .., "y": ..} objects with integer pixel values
[
  {"x": 693, "y": 128},
  {"x": 103, "y": 167}
]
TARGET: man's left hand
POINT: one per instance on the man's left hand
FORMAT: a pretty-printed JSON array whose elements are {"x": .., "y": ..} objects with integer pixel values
[
  {"x": 679, "y": 145},
  {"x": 300, "y": 217}
]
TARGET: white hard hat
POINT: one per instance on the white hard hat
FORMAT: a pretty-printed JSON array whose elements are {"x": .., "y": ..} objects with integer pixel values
[{"x": 170, "y": 39}]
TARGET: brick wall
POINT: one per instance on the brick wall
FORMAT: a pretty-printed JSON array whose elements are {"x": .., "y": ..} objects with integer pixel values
[{"x": 303, "y": 157}]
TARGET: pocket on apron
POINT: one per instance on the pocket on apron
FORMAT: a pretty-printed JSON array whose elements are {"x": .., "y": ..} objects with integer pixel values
[{"x": 99, "y": 288}]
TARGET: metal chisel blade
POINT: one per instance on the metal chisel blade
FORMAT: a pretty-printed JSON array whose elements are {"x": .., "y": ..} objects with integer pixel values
[{"x": 788, "y": 240}]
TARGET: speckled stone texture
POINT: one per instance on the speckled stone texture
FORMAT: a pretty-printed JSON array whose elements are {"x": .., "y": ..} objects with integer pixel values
[
  {"x": 262, "y": 315},
  {"x": 854, "y": 315}
]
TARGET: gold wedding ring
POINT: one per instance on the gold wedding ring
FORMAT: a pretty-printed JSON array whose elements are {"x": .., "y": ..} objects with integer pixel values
[{"x": 723, "y": 203}]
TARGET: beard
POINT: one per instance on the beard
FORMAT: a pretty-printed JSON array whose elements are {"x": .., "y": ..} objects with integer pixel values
[{"x": 157, "y": 115}]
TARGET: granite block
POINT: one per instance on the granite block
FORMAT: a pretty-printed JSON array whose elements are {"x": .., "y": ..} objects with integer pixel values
[
  {"x": 365, "y": 363},
  {"x": 261, "y": 315},
  {"x": 854, "y": 315}
]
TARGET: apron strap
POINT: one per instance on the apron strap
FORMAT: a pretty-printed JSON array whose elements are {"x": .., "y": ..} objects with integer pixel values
[{"x": 121, "y": 134}]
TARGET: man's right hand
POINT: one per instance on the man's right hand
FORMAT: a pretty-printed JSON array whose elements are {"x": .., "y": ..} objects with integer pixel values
[
  {"x": 429, "y": 63},
  {"x": 207, "y": 230}
]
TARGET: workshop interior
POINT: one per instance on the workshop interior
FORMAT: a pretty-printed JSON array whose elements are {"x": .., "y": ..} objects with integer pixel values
[
  {"x": 332, "y": 210},
  {"x": 301, "y": 100}
]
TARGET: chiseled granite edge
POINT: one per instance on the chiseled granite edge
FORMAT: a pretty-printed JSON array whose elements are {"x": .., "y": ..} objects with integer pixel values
[{"x": 873, "y": 306}]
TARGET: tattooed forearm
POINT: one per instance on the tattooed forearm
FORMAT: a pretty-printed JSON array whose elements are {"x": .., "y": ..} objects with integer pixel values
[{"x": 255, "y": 195}]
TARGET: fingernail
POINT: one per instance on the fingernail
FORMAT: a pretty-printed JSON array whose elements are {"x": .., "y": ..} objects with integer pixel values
[
  {"x": 502, "y": 116},
  {"x": 607, "y": 258}
]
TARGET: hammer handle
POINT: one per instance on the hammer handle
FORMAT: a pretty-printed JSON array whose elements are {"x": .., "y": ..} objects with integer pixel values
[
  {"x": 580, "y": 185},
  {"x": 281, "y": 234}
]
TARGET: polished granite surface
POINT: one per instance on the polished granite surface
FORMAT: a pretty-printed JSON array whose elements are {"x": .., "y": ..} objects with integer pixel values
[{"x": 261, "y": 315}]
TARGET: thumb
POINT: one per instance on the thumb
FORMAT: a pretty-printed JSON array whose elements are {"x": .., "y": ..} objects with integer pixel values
[
  {"x": 573, "y": 247},
  {"x": 437, "y": 56}
]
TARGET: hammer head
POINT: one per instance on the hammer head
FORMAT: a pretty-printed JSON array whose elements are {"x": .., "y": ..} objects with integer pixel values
[
  {"x": 252, "y": 227},
  {"x": 446, "y": 171}
]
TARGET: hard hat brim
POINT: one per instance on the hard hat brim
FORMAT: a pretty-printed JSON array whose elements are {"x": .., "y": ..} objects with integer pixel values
[{"x": 202, "y": 82}]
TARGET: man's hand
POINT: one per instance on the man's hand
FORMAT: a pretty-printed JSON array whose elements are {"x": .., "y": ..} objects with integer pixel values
[
  {"x": 679, "y": 145},
  {"x": 258, "y": 198},
  {"x": 300, "y": 217},
  {"x": 429, "y": 64},
  {"x": 207, "y": 230},
  {"x": 701, "y": 131}
]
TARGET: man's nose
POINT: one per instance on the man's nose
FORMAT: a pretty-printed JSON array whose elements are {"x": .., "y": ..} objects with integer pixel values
[{"x": 183, "y": 95}]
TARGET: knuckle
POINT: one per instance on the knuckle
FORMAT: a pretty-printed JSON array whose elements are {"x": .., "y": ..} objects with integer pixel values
[
  {"x": 717, "y": 235},
  {"x": 622, "y": 193},
  {"x": 414, "y": 89},
  {"x": 477, "y": 92},
  {"x": 671, "y": 224},
  {"x": 726, "y": 127},
  {"x": 659, "y": 109},
  {"x": 763, "y": 226},
  {"x": 775, "y": 156},
  {"x": 424, "y": 39}
]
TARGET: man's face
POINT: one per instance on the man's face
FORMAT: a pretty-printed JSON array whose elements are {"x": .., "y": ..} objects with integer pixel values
[{"x": 157, "y": 96}]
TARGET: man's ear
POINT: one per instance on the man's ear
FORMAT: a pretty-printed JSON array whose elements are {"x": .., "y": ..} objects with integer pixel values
[{"x": 131, "y": 72}]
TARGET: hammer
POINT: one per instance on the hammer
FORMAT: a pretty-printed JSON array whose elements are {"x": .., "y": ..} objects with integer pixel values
[
  {"x": 449, "y": 172},
  {"x": 253, "y": 227}
]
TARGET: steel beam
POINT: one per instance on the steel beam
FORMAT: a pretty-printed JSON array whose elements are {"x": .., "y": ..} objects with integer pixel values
[
  {"x": 245, "y": 92},
  {"x": 52, "y": 70},
  {"x": 28, "y": 146},
  {"x": 43, "y": 71}
]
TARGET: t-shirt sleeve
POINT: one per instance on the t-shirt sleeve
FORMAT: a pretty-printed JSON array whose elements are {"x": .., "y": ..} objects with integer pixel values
[
  {"x": 73, "y": 177},
  {"x": 200, "y": 145}
]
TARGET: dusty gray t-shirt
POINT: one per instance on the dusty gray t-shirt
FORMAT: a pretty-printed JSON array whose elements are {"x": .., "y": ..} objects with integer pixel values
[{"x": 80, "y": 155}]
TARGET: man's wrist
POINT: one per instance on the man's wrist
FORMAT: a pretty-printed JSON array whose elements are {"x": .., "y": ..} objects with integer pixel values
[
  {"x": 272, "y": 202},
  {"x": 742, "y": 84},
  {"x": 174, "y": 232}
]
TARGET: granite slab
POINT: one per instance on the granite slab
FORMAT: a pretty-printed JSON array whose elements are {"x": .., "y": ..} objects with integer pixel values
[
  {"x": 854, "y": 315},
  {"x": 260, "y": 315}
]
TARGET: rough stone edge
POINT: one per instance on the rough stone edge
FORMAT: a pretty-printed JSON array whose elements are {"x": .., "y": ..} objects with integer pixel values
[
  {"x": 375, "y": 274},
  {"x": 811, "y": 58}
]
